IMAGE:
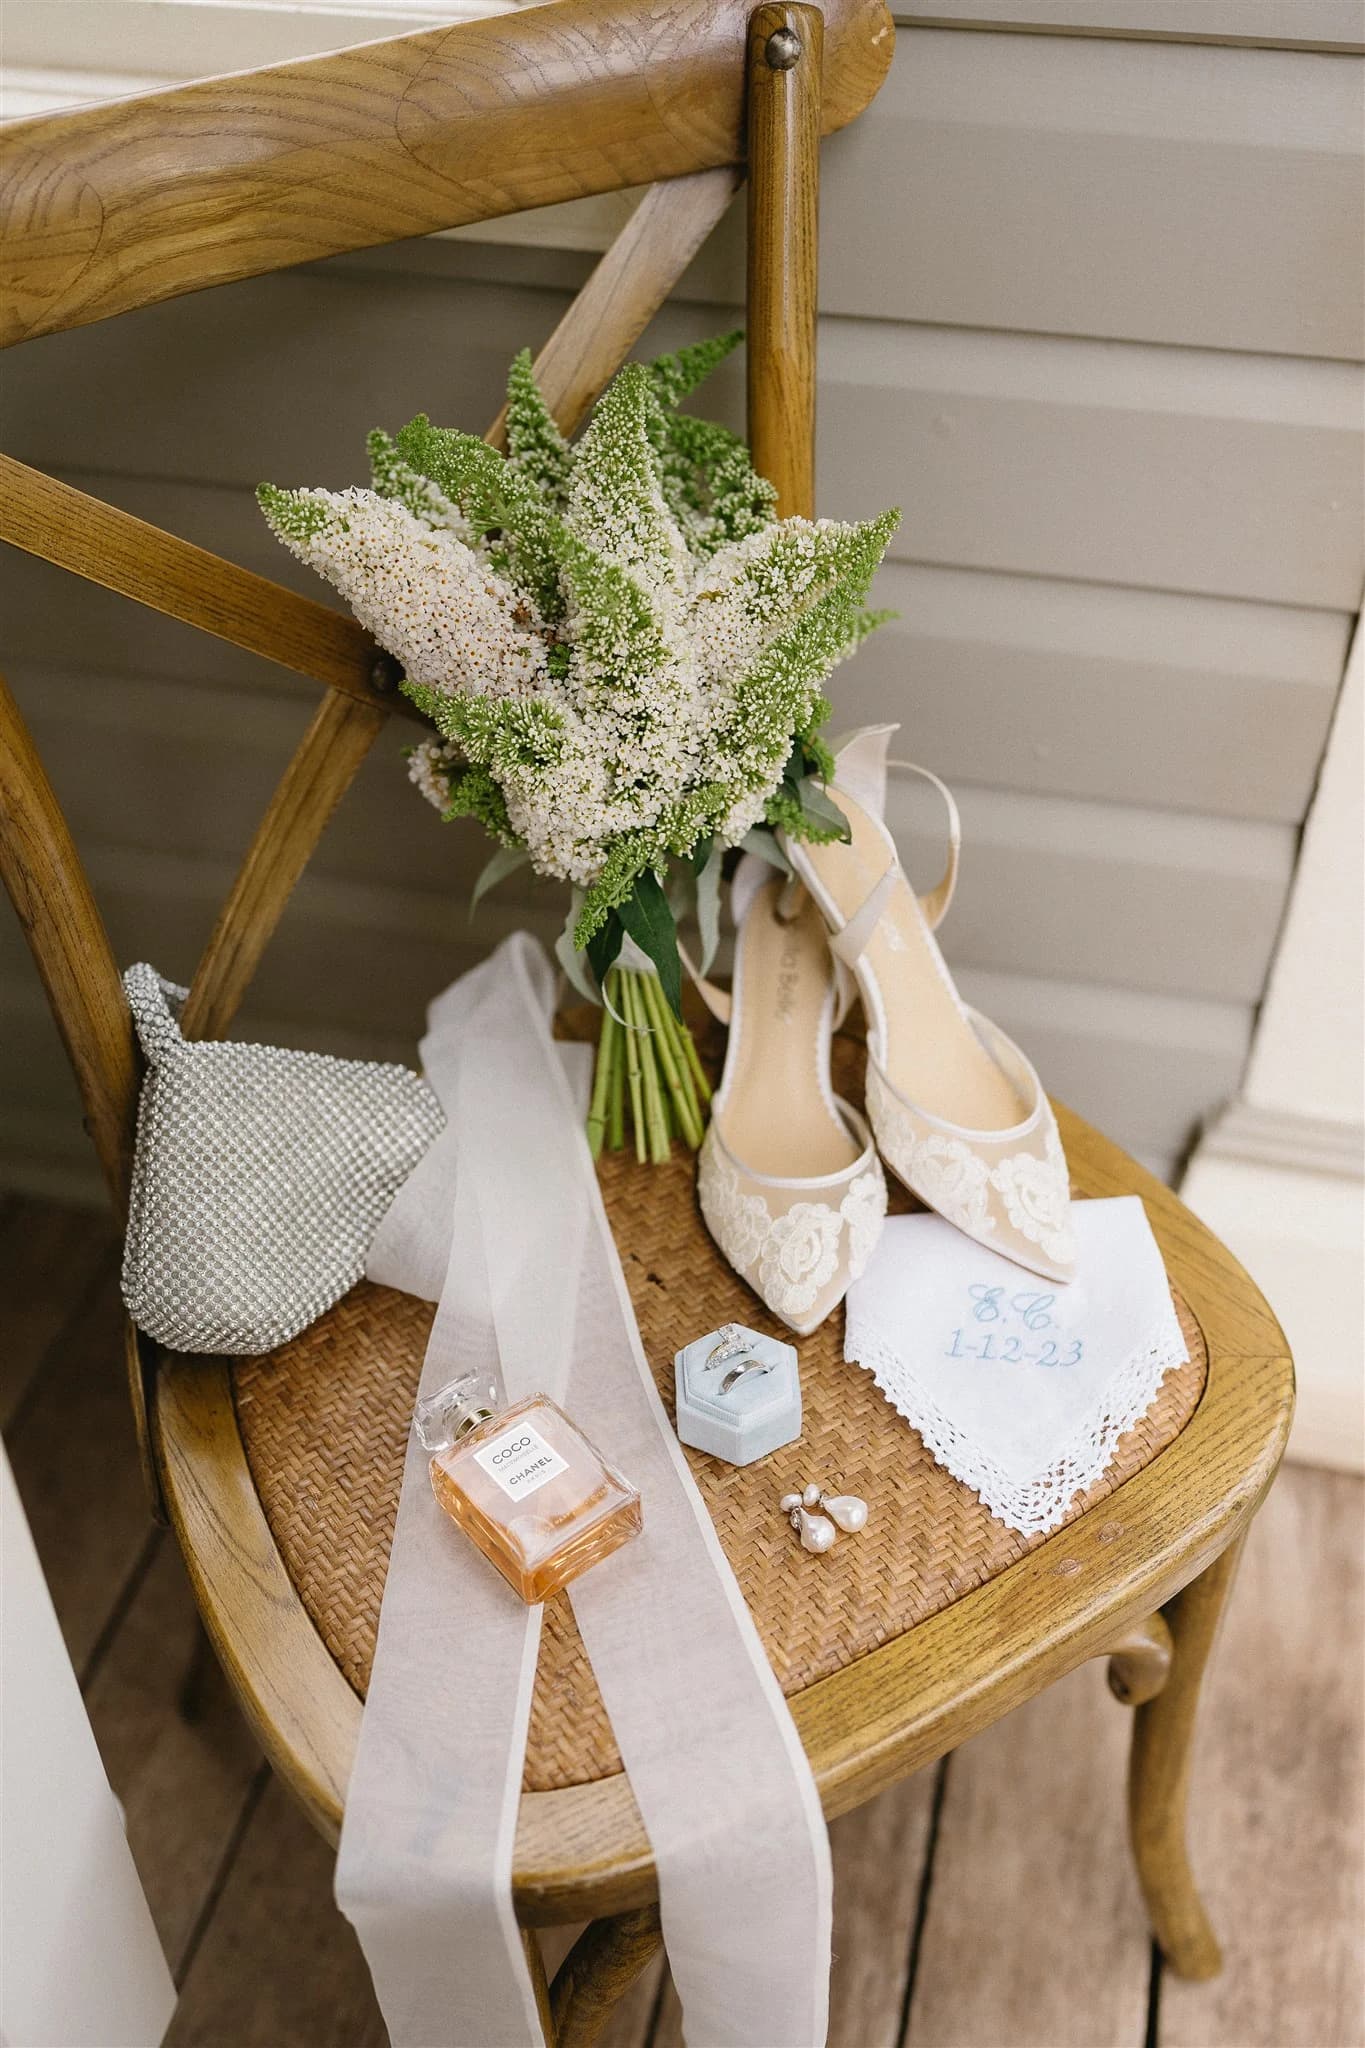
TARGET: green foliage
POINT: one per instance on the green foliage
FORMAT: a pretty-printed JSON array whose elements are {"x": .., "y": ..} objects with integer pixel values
[
  {"x": 677, "y": 376},
  {"x": 616, "y": 632},
  {"x": 475, "y": 793},
  {"x": 649, "y": 921},
  {"x": 298, "y": 516},
  {"x": 711, "y": 487},
  {"x": 615, "y": 503},
  {"x": 604, "y": 947},
  {"x": 683, "y": 825},
  {"x": 505, "y": 734},
  {"x": 868, "y": 622},
  {"x": 627, "y": 858},
  {"x": 802, "y": 806},
  {"x": 503, "y": 508},
  {"x": 780, "y": 693},
  {"x": 618, "y": 642},
  {"x": 816, "y": 758},
  {"x": 535, "y": 446},
  {"x": 394, "y": 478},
  {"x": 802, "y": 811}
]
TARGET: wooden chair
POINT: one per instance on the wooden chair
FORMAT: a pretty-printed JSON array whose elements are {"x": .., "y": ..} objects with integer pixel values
[{"x": 115, "y": 207}]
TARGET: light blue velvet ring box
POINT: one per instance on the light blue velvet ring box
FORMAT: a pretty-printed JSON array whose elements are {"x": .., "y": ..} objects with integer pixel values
[{"x": 758, "y": 1411}]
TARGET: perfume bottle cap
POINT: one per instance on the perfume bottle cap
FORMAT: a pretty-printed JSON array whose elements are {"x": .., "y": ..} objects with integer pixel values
[{"x": 442, "y": 1418}]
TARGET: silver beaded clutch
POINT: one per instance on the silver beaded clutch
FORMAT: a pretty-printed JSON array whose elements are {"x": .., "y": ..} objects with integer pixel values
[{"x": 258, "y": 1179}]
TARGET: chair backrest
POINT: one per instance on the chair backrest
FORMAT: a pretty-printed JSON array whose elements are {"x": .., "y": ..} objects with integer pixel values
[{"x": 117, "y": 206}]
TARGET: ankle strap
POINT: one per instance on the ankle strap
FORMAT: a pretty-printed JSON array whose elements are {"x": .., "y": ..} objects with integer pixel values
[
  {"x": 716, "y": 999},
  {"x": 852, "y": 942},
  {"x": 719, "y": 1000},
  {"x": 934, "y": 903}
]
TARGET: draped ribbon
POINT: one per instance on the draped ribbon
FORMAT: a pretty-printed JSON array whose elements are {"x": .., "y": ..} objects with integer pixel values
[{"x": 503, "y": 1221}]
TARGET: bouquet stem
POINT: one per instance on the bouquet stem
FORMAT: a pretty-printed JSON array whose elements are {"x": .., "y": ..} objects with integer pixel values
[{"x": 647, "y": 1073}]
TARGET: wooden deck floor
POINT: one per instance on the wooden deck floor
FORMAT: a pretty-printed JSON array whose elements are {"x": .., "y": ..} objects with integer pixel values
[{"x": 988, "y": 1904}]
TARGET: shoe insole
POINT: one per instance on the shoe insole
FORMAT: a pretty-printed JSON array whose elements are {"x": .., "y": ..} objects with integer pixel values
[
  {"x": 932, "y": 1054},
  {"x": 773, "y": 1113}
]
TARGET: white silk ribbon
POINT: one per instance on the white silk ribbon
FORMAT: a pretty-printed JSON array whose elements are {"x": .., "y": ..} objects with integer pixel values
[{"x": 504, "y": 1222}]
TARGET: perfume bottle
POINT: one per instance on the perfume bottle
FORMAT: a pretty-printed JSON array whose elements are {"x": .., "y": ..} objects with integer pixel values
[{"x": 524, "y": 1484}]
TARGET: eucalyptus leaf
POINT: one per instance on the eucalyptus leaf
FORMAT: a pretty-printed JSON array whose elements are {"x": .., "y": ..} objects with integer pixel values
[
  {"x": 603, "y": 948},
  {"x": 504, "y": 862},
  {"x": 569, "y": 957},
  {"x": 819, "y": 806},
  {"x": 647, "y": 917},
  {"x": 763, "y": 842},
  {"x": 708, "y": 909}
]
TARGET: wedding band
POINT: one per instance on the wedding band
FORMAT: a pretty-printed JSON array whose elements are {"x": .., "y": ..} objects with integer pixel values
[{"x": 736, "y": 1374}]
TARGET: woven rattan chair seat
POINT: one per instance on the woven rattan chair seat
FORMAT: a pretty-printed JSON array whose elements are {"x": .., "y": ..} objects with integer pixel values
[{"x": 325, "y": 1423}]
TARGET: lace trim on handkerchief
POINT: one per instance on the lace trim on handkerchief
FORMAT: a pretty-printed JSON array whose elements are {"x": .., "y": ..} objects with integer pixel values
[{"x": 1036, "y": 1505}]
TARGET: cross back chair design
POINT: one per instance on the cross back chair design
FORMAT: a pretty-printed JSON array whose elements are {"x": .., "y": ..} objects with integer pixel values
[{"x": 116, "y": 207}]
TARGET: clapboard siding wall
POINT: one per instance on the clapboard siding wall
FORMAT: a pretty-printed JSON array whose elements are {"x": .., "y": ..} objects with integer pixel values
[{"x": 1091, "y": 315}]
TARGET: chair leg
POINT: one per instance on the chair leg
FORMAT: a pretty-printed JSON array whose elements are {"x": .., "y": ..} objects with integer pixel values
[
  {"x": 598, "y": 1970},
  {"x": 1159, "y": 1776}
]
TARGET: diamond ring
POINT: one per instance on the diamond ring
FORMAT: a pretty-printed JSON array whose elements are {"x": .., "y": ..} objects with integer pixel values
[{"x": 732, "y": 1341}]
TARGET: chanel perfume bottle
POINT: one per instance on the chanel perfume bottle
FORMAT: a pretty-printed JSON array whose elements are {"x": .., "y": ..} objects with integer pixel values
[{"x": 524, "y": 1484}]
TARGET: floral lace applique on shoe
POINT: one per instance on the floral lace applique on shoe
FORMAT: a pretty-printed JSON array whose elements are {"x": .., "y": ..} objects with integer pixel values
[
  {"x": 1037, "y": 1197},
  {"x": 800, "y": 1258},
  {"x": 864, "y": 1211},
  {"x": 1010, "y": 1192}
]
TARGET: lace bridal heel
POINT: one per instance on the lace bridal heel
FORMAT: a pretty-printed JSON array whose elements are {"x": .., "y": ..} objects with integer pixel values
[
  {"x": 958, "y": 1112},
  {"x": 788, "y": 1177}
]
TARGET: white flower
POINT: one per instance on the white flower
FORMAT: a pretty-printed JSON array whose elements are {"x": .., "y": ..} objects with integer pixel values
[
  {"x": 799, "y": 1256},
  {"x": 429, "y": 765},
  {"x": 451, "y": 620}
]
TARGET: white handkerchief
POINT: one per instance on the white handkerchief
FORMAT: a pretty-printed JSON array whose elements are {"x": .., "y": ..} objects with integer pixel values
[{"x": 1020, "y": 1387}]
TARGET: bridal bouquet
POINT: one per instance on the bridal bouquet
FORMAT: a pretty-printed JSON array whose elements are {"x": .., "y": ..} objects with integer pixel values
[{"x": 621, "y": 650}]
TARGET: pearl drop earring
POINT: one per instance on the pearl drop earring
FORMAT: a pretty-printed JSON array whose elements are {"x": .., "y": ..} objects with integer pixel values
[
  {"x": 846, "y": 1509},
  {"x": 815, "y": 1532}
]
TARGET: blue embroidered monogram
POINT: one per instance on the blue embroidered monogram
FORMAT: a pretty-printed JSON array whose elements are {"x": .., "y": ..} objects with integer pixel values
[{"x": 1021, "y": 1389}]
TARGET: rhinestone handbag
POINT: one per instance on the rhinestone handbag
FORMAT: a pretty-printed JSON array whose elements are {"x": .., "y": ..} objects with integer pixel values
[{"x": 258, "y": 1178}]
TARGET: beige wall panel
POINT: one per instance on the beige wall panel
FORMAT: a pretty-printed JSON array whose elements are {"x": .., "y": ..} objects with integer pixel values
[
  {"x": 1104, "y": 893},
  {"x": 359, "y": 957},
  {"x": 184, "y": 41},
  {"x": 51, "y": 620},
  {"x": 1145, "y": 1068},
  {"x": 289, "y": 374},
  {"x": 1316, "y": 23},
  {"x": 196, "y": 768},
  {"x": 1205, "y": 196},
  {"x": 1183, "y": 703},
  {"x": 1180, "y": 469},
  {"x": 1148, "y": 191},
  {"x": 1236, "y": 476}
]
